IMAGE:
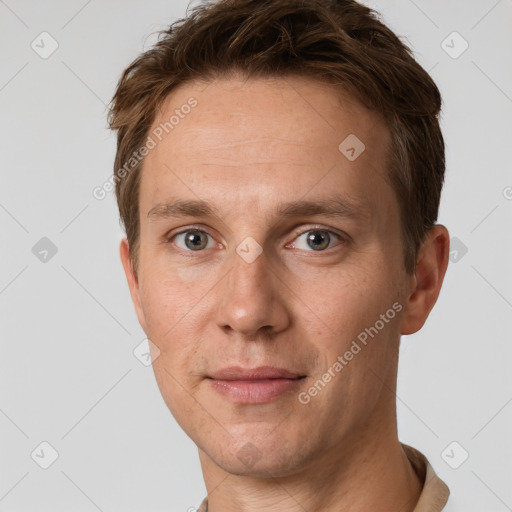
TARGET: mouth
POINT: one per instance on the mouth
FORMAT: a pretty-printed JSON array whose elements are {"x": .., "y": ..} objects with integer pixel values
[
  {"x": 259, "y": 373},
  {"x": 256, "y": 385}
]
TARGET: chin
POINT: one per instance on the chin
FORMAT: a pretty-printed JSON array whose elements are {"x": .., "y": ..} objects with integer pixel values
[
  {"x": 264, "y": 467},
  {"x": 261, "y": 458}
]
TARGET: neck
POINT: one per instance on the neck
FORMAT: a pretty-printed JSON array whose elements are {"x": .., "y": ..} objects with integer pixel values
[{"x": 373, "y": 473}]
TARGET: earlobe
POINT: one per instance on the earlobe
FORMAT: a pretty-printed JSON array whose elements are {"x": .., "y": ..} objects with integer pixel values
[
  {"x": 133, "y": 281},
  {"x": 428, "y": 279}
]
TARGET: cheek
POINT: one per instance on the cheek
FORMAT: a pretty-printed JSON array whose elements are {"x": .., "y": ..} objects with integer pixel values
[
  {"x": 169, "y": 308},
  {"x": 345, "y": 299},
  {"x": 166, "y": 293},
  {"x": 172, "y": 311},
  {"x": 350, "y": 310}
]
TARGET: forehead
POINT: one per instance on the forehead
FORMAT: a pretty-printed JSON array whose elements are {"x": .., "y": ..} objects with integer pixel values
[{"x": 247, "y": 137}]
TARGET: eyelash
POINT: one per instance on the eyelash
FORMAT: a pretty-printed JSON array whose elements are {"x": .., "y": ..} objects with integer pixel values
[{"x": 342, "y": 238}]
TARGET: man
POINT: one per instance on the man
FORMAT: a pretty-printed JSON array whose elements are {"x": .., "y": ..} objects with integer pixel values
[{"x": 278, "y": 173}]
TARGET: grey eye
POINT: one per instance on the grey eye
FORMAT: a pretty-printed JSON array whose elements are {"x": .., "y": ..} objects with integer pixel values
[
  {"x": 317, "y": 240},
  {"x": 194, "y": 240}
]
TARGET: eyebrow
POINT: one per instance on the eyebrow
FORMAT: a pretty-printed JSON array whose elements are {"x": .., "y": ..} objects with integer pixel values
[{"x": 330, "y": 207}]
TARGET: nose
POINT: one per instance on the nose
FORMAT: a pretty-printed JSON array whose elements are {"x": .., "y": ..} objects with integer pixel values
[{"x": 251, "y": 301}]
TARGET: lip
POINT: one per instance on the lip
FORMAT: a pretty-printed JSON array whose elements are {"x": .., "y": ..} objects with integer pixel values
[
  {"x": 259, "y": 373},
  {"x": 254, "y": 385}
]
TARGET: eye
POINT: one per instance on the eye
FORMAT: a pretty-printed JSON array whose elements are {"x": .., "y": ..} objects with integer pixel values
[
  {"x": 316, "y": 239},
  {"x": 193, "y": 240},
  {"x": 196, "y": 240}
]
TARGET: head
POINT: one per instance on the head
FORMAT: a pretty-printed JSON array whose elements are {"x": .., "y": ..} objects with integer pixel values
[{"x": 278, "y": 173}]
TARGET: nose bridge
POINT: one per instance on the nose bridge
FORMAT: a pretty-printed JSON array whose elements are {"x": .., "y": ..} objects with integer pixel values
[{"x": 250, "y": 269}]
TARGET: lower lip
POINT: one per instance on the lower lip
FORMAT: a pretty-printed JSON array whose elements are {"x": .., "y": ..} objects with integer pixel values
[{"x": 254, "y": 391}]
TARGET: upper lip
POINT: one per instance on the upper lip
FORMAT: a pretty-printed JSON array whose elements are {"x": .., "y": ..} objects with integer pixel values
[{"x": 259, "y": 373}]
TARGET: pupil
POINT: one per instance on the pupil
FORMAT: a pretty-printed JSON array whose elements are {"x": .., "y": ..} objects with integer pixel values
[
  {"x": 318, "y": 237},
  {"x": 193, "y": 240}
]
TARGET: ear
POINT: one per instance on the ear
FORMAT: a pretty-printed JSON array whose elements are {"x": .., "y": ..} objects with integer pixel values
[
  {"x": 133, "y": 281},
  {"x": 427, "y": 280}
]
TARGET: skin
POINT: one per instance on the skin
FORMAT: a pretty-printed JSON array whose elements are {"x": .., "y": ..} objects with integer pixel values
[{"x": 247, "y": 147}]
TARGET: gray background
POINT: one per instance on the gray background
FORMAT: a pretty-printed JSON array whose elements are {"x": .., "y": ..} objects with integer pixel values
[{"x": 68, "y": 375}]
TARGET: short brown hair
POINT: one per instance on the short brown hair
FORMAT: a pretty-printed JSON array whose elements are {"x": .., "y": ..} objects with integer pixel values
[{"x": 336, "y": 41}]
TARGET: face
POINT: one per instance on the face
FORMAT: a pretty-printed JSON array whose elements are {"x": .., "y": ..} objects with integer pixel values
[{"x": 264, "y": 243}]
